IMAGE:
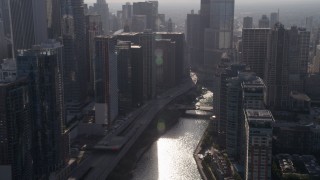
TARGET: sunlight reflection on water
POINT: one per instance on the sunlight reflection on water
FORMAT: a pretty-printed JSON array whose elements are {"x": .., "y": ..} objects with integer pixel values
[{"x": 171, "y": 157}]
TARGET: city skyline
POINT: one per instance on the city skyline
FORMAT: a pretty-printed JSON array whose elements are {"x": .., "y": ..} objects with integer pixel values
[
  {"x": 160, "y": 89},
  {"x": 196, "y": 2}
]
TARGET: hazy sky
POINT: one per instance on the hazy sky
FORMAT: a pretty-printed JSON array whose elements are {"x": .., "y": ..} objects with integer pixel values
[{"x": 198, "y": 1}]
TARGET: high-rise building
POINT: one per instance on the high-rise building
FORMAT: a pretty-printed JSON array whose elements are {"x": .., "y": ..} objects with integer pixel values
[
  {"x": 147, "y": 41},
  {"x": 165, "y": 64},
  {"x": 258, "y": 144},
  {"x": 16, "y": 129},
  {"x": 247, "y": 22},
  {"x": 276, "y": 72},
  {"x": 253, "y": 93},
  {"x": 274, "y": 19},
  {"x": 287, "y": 64},
  {"x": 3, "y": 42},
  {"x": 101, "y": 7},
  {"x": 181, "y": 66},
  {"x": 170, "y": 25},
  {"x": 137, "y": 72},
  {"x": 204, "y": 23},
  {"x": 309, "y": 23},
  {"x": 5, "y": 16},
  {"x": 54, "y": 13},
  {"x": 193, "y": 39},
  {"x": 130, "y": 75},
  {"x": 299, "y": 41},
  {"x": 42, "y": 65},
  {"x": 93, "y": 29},
  {"x": 8, "y": 70},
  {"x": 106, "y": 83},
  {"x": 219, "y": 36},
  {"x": 139, "y": 23},
  {"x": 127, "y": 14},
  {"x": 264, "y": 22},
  {"x": 80, "y": 52},
  {"x": 255, "y": 49},
  {"x": 316, "y": 62},
  {"x": 29, "y": 24},
  {"x": 224, "y": 72},
  {"x": 234, "y": 111},
  {"x": 73, "y": 81},
  {"x": 150, "y": 10}
]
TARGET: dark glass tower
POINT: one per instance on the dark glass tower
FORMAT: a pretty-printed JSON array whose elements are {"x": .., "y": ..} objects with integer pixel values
[
  {"x": 29, "y": 25},
  {"x": 276, "y": 72},
  {"x": 15, "y": 129},
  {"x": 42, "y": 65},
  {"x": 218, "y": 38},
  {"x": 106, "y": 83},
  {"x": 150, "y": 10}
]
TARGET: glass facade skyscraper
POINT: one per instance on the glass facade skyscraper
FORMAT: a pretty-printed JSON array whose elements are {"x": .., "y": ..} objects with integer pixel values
[
  {"x": 219, "y": 36},
  {"x": 42, "y": 65}
]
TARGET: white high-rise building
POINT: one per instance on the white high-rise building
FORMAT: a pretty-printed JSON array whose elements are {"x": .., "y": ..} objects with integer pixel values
[{"x": 258, "y": 144}]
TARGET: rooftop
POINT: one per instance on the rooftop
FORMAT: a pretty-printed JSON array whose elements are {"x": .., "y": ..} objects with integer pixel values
[
  {"x": 299, "y": 96},
  {"x": 258, "y": 114},
  {"x": 256, "y": 82}
]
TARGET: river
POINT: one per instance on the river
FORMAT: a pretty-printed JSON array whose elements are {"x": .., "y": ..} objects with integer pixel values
[{"x": 171, "y": 156}]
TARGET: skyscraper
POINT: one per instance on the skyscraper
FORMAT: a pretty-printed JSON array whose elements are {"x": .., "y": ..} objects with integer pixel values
[
  {"x": 316, "y": 61},
  {"x": 309, "y": 23},
  {"x": 253, "y": 93},
  {"x": 16, "y": 129},
  {"x": 298, "y": 55},
  {"x": 219, "y": 36},
  {"x": 255, "y": 49},
  {"x": 3, "y": 43},
  {"x": 93, "y": 29},
  {"x": 165, "y": 64},
  {"x": 106, "y": 83},
  {"x": 82, "y": 70},
  {"x": 54, "y": 13},
  {"x": 276, "y": 72},
  {"x": 137, "y": 72},
  {"x": 42, "y": 65},
  {"x": 73, "y": 81},
  {"x": 170, "y": 25},
  {"x": 264, "y": 22},
  {"x": 181, "y": 66},
  {"x": 5, "y": 16},
  {"x": 224, "y": 72},
  {"x": 234, "y": 111},
  {"x": 101, "y": 7},
  {"x": 127, "y": 14},
  {"x": 287, "y": 64},
  {"x": 204, "y": 23},
  {"x": 247, "y": 22},
  {"x": 29, "y": 25},
  {"x": 274, "y": 19},
  {"x": 150, "y": 10},
  {"x": 258, "y": 144},
  {"x": 147, "y": 41},
  {"x": 193, "y": 39},
  {"x": 124, "y": 73},
  {"x": 130, "y": 75},
  {"x": 139, "y": 23}
]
